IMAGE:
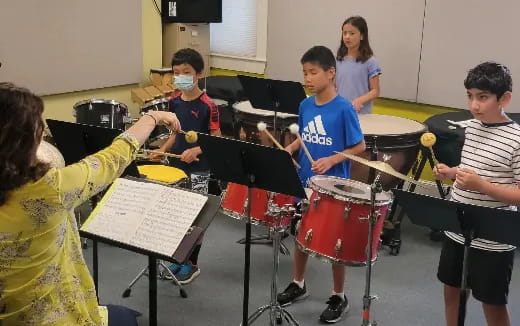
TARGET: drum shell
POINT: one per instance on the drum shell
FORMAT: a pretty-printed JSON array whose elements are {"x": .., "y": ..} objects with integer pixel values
[
  {"x": 234, "y": 204},
  {"x": 326, "y": 222},
  {"x": 102, "y": 113}
]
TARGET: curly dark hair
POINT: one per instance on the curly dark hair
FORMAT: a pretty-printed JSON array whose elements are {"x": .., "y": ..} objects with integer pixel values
[
  {"x": 21, "y": 129},
  {"x": 365, "y": 51},
  {"x": 490, "y": 76}
]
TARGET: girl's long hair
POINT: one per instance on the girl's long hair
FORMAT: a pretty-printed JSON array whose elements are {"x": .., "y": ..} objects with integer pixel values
[{"x": 365, "y": 51}]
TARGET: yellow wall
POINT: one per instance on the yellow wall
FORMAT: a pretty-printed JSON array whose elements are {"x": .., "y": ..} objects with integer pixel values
[{"x": 60, "y": 106}]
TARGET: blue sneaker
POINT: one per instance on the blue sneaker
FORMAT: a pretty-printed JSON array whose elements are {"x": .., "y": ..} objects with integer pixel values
[
  {"x": 174, "y": 268},
  {"x": 187, "y": 273}
]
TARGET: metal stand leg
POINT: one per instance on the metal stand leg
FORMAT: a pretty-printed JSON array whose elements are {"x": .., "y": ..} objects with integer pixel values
[
  {"x": 372, "y": 219},
  {"x": 276, "y": 312},
  {"x": 160, "y": 264},
  {"x": 266, "y": 239}
]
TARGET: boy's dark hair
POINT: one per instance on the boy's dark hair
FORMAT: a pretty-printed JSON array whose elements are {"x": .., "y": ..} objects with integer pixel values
[
  {"x": 365, "y": 51},
  {"x": 490, "y": 76},
  {"x": 321, "y": 56},
  {"x": 190, "y": 57}
]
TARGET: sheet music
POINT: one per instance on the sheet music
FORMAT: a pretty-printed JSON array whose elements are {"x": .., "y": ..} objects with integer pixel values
[{"x": 146, "y": 215}]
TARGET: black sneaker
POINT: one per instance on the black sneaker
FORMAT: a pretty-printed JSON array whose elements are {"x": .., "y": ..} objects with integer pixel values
[
  {"x": 335, "y": 310},
  {"x": 292, "y": 293}
]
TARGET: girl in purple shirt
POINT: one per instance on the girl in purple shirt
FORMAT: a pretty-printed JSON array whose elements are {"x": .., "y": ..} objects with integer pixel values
[{"x": 357, "y": 72}]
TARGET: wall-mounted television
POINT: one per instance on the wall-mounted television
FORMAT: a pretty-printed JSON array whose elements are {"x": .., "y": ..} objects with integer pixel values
[{"x": 191, "y": 11}]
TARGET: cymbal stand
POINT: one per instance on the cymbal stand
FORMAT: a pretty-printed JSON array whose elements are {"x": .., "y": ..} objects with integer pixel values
[
  {"x": 374, "y": 215},
  {"x": 276, "y": 312}
]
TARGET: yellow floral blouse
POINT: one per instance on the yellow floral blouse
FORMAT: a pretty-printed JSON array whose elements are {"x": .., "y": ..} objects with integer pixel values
[{"x": 44, "y": 279}]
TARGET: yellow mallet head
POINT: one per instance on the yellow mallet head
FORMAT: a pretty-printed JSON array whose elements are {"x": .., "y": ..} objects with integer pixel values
[
  {"x": 191, "y": 136},
  {"x": 428, "y": 139}
]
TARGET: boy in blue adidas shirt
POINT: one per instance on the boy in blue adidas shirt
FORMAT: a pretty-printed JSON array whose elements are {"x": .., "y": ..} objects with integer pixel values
[{"x": 328, "y": 123}]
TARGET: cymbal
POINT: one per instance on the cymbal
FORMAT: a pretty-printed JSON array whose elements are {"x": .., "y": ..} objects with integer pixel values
[{"x": 383, "y": 167}]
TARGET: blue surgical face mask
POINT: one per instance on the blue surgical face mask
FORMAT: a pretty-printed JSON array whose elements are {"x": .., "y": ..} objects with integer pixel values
[{"x": 183, "y": 82}]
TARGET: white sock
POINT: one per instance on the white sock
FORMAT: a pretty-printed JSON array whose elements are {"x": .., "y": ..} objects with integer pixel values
[
  {"x": 300, "y": 284},
  {"x": 341, "y": 295}
]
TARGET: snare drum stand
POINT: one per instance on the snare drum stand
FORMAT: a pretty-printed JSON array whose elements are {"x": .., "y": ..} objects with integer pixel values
[
  {"x": 374, "y": 215},
  {"x": 276, "y": 311}
]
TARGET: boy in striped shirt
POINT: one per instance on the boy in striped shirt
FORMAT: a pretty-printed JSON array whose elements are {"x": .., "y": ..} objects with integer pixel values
[{"x": 488, "y": 175}]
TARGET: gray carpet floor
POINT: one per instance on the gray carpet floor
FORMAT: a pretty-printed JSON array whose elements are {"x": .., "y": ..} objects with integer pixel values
[{"x": 409, "y": 293}]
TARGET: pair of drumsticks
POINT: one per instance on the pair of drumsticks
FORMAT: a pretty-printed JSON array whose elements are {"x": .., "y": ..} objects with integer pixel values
[{"x": 294, "y": 129}]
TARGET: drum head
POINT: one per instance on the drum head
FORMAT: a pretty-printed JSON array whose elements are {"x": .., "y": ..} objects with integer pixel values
[
  {"x": 378, "y": 124},
  {"x": 346, "y": 190}
]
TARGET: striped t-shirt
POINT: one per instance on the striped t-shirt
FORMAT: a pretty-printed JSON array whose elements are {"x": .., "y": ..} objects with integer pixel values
[{"x": 493, "y": 152}]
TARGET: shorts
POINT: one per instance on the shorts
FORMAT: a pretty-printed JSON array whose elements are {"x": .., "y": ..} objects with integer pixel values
[{"x": 489, "y": 272}]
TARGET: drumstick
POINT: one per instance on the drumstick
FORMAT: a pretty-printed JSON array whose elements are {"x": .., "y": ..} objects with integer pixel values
[
  {"x": 263, "y": 127},
  {"x": 166, "y": 154},
  {"x": 295, "y": 130}
]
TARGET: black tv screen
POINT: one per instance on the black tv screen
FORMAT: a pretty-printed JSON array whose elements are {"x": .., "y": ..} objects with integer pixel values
[{"x": 192, "y": 11}]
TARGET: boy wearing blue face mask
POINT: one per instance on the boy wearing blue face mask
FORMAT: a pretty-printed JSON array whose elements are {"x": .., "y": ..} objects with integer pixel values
[{"x": 196, "y": 112}]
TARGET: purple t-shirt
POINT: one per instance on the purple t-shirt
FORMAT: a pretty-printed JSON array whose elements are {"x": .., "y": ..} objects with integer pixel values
[{"x": 352, "y": 79}]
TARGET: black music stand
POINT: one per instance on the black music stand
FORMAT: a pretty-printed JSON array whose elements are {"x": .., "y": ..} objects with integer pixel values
[
  {"x": 76, "y": 141},
  {"x": 273, "y": 95},
  {"x": 182, "y": 253},
  {"x": 471, "y": 221},
  {"x": 254, "y": 166}
]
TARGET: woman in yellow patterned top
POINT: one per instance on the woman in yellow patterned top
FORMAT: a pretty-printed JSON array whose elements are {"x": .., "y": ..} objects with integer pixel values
[{"x": 44, "y": 279}]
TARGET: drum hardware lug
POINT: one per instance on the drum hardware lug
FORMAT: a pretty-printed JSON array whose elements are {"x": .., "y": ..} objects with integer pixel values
[
  {"x": 90, "y": 106},
  {"x": 288, "y": 210},
  {"x": 297, "y": 227},
  {"x": 363, "y": 217},
  {"x": 308, "y": 236},
  {"x": 304, "y": 208},
  {"x": 245, "y": 206},
  {"x": 337, "y": 249},
  {"x": 316, "y": 201},
  {"x": 346, "y": 213},
  {"x": 190, "y": 230}
]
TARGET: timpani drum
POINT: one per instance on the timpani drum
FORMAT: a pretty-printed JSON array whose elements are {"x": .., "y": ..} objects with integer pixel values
[
  {"x": 248, "y": 117},
  {"x": 394, "y": 136},
  {"x": 102, "y": 113},
  {"x": 334, "y": 226}
]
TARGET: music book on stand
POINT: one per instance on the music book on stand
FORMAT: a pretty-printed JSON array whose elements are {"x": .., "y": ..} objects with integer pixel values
[{"x": 145, "y": 215}]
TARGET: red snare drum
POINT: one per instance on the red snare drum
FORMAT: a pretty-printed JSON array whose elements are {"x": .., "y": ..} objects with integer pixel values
[
  {"x": 264, "y": 210},
  {"x": 335, "y": 227}
]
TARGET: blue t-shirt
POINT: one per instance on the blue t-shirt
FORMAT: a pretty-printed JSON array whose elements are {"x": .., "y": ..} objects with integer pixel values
[
  {"x": 200, "y": 115},
  {"x": 353, "y": 79},
  {"x": 325, "y": 129}
]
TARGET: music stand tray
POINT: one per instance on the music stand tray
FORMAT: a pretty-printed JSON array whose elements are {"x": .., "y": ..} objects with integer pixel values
[
  {"x": 471, "y": 221},
  {"x": 255, "y": 166}
]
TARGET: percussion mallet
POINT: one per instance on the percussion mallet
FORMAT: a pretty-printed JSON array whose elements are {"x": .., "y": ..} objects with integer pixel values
[
  {"x": 295, "y": 130},
  {"x": 428, "y": 139},
  {"x": 262, "y": 126}
]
